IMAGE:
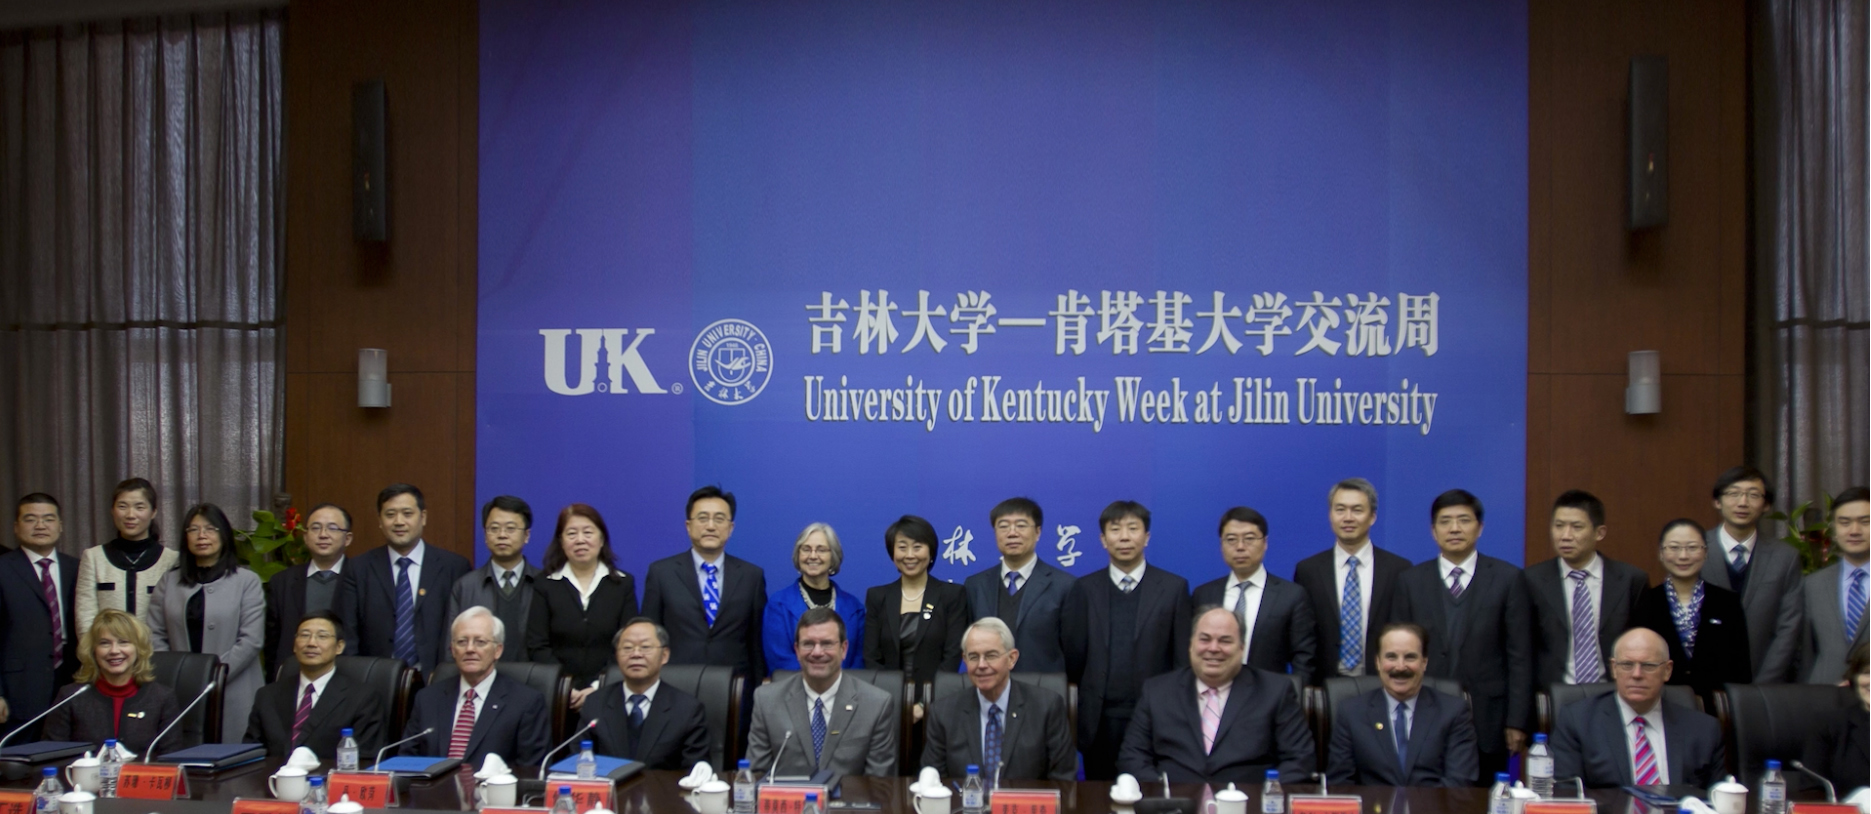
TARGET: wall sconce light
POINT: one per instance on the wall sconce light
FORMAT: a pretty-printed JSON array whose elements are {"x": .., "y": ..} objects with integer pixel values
[
  {"x": 1644, "y": 394},
  {"x": 373, "y": 371}
]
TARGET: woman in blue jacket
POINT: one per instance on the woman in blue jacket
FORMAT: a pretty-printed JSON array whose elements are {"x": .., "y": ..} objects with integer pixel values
[{"x": 816, "y": 556}]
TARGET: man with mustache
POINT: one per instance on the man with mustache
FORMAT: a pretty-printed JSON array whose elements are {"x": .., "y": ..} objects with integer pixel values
[
  {"x": 642, "y": 719},
  {"x": 1402, "y": 733}
]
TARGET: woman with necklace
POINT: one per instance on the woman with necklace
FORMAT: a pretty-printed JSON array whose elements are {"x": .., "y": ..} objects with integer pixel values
[
  {"x": 817, "y": 556},
  {"x": 582, "y": 603},
  {"x": 125, "y": 702},
  {"x": 122, "y": 573},
  {"x": 209, "y": 604},
  {"x": 1703, "y": 624},
  {"x": 915, "y": 622}
]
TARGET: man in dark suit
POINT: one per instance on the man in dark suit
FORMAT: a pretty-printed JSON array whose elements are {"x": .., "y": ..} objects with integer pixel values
[
  {"x": 1123, "y": 625},
  {"x": 295, "y": 592},
  {"x": 643, "y": 720},
  {"x": 1216, "y": 722},
  {"x": 1764, "y": 571},
  {"x": 1475, "y": 610},
  {"x": 1021, "y": 728},
  {"x": 330, "y": 702},
  {"x": 1611, "y": 740},
  {"x": 393, "y": 599},
  {"x": 480, "y": 713},
  {"x": 1836, "y": 594},
  {"x": 38, "y": 637},
  {"x": 1351, "y": 586},
  {"x": 1027, "y": 594},
  {"x": 1579, "y": 590},
  {"x": 1402, "y": 734},
  {"x": 709, "y": 601},
  {"x": 505, "y": 584},
  {"x": 1281, "y": 634}
]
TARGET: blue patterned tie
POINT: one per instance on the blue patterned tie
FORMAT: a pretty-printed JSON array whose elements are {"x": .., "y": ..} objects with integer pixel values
[
  {"x": 1855, "y": 604},
  {"x": 405, "y": 615},
  {"x": 1403, "y": 740},
  {"x": 636, "y": 709},
  {"x": 990, "y": 743},
  {"x": 1013, "y": 582},
  {"x": 1351, "y": 621},
  {"x": 711, "y": 592},
  {"x": 818, "y": 728},
  {"x": 1585, "y": 666}
]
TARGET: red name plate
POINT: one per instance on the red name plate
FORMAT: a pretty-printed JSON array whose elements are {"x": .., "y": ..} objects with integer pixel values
[
  {"x": 788, "y": 799},
  {"x": 249, "y": 805},
  {"x": 16, "y": 802},
  {"x": 1024, "y": 801},
  {"x": 367, "y": 789},
  {"x": 152, "y": 781},
  {"x": 1561, "y": 807},
  {"x": 1322, "y": 804},
  {"x": 507, "y": 810},
  {"x": 1824, "y": 808},
  {"x": 586, "y": 794}
]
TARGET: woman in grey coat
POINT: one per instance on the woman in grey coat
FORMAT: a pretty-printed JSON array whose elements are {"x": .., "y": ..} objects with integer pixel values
[{"x": 209, "y": 604}]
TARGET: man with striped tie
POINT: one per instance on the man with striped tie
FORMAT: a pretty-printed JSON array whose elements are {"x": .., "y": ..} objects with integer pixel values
[
  {"x": 479, "y": 713},
  {"x": 710, "y": 601},
  {"x": 1631, "y": 736},
  {"x": 393, "y": 599},
  {"x": 313, "y": 705},
  {"x": 1351, "y": 585},
  {"x": 1582, "y": 599}
]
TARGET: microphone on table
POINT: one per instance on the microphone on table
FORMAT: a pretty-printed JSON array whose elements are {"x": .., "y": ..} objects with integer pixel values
[
  {"x": 17, "y": 771},
  {"x": 1324, "y": 789},
  {"x": 387, "y": 747},
  {"x": 1578, "y": 780},
  {"x": 1831, "y": 796},
  {"x": 150, "y": 751},
  {"x": 774, "y": 769}
]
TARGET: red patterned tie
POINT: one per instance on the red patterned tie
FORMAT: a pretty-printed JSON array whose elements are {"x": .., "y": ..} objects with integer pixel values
[
  {"x": 304, "y": 712},
  {"x": 464, "y": 726},
  {"x": 1645, "y": 760},
  {"x": 50, "y": 589}
]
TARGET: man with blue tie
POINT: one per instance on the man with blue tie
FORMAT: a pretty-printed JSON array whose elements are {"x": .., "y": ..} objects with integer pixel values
[
  {"x": 1764, "y": 571},
  {"x": 1027, "y": 594},
  {"x": 1350, "y": 585},
  {"x": 709, "y": 600},
  {"x": 407, "y": 577},
  {"x": 1835, "y": 594},
  {"x": 1402, "y": 734}
]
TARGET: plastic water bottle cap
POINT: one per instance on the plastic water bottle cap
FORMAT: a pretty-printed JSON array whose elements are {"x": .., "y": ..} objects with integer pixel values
[
  {"x": 1273, "y": 774},
  {"x": 345, "y": 732},
  {"x": 746, "y": 764},
  {"x": 565, "y": 789},
  {"x": 1501, "y": 777},
  {"x": 113, "y": 742},
  {"x": 1773, "y": 764},
  {"x": 812, "y": 796},
  {"x": 49, "y": 771},
  {"x": 973, "y": 769},
  {"x": 316, "y": 780},
  {"x": 1539, "y": 737},
  {"x": 584, "y": 744}
]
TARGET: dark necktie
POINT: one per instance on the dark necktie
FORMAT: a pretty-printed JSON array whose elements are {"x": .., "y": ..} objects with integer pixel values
[
  {"x": 507, "y": 583},
  {"x": 1013, "y": 582},
  {"x": 49, "y": 588},
  {"x": 405, "y": 615},
  {"x": 1402, "y": 728},
  {"x": 636, "y": 709},
  {"x": 303, "y": 712},
  {"x": 990, "y": 743},
  {"x": 818, "y": 728}
]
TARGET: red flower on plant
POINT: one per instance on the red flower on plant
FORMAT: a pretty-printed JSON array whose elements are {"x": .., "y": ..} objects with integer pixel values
[{"x": 292, "y": 519}]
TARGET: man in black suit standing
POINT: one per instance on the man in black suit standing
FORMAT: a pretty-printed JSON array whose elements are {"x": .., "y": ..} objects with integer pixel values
[
  {"x": 1611, "y": 740},
  {"x": 1579, "y": 590},
  {"x": 294, "y": 593},
  {"x": 643, "y": 720},
  {"x": 1764, "y": 571},
  {"x": 1123, "y": 625},
  {"x": 394, "y": 599},
  {"x": 38, "y": 637},
  {"x": 1475, "y": 610},
  {"x": 1021, "y": 728},
  {"x": 1351, "y": 585},
  {"x": 1216, "y": 722},
  {"x": 479, "y": 713},
  {"x": 312, "y": 705},
  {"x": 1402, "y": 734},
  {"x": 1281, "y": 634},
  {"x": 709, "y": 601},
  {"x": 1027, "y": 594},
  {"x": 505, "y": 584}
]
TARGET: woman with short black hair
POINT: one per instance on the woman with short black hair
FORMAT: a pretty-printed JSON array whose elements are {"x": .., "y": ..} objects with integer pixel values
[{"x": 209, "y": 604}]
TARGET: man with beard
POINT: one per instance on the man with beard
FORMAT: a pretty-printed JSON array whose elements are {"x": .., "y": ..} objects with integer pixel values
[
  {"x": 1402, "y": 734},
  {"x": 643, "y": 720},
  {"x": 845, "y": 729}
]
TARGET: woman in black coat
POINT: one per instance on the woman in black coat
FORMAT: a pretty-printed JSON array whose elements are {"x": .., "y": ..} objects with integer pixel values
[
  {"x": 582, "y": 603},
  {"x": 1703, "y": 624},
  {"x": 915, "y": 623},
  {"x": 125, "y": 702}
]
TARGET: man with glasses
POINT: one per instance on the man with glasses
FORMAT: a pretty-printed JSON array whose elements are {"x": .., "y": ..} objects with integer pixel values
[
  {"x": 1631, "y": 736},
  {"x": 1282, "y": 635},
  {"x": 1765, "y": 572},
  {"x": 1027, "y": 594},
  {"x": 505, "y": 584},
  {"x": 642, "y": 719},
  {"x": 295, "y": 593},
  {"x": 709, "y": 600},
  {"x": 815, "y": 721},
  {"x": 311, "y": 706},
  {"x": 1011, "y": 729},
  {"x": 478, "y": 713}
]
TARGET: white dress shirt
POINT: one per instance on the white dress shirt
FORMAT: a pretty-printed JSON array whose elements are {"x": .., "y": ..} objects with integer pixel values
[
  {"x": 584, "y": 590},
  {"x": 1595, "y": 586},
  {"x": 1653, "y": 732},
  {"x": 480, "y": 699},
  {"x": 317, "y": 685},
  {"x": 500, "y": 574},
  {"x": 720, "y": 562},
  {"x": 1448, "y": 566},
  {"x": 649, "y": 697},
  {"x": 1117, "y": 576},
  {"x": 830, "y": 695},
  {"x": 1026, "y": 573},
  {"x": 1367, "y": 573},
  {"x": 58, "y": 581},
  {"x": 1255, "y": 594},
  {"x": 1729, "y": 544},
  {"x": 415, "y": 570}
]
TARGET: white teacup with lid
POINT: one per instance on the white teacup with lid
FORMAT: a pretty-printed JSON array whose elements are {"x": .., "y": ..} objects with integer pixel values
[
  {"x": 1229, "y": 801},
  {"x": 1729, "y": 797}
]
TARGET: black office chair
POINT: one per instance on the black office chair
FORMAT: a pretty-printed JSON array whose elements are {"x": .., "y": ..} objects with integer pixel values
[
  {"x": 548, "y": 679},
  {"x": 890, "y": 681},
  {"x": 719, "y": 690},
  {"x": 1548, "y": 704},
  {"x": 1764, "y": 722},
  {"x": 1340, "y": 689},
  {"x": 394, "y": 682},
  {"x": 186, "y": 674}
]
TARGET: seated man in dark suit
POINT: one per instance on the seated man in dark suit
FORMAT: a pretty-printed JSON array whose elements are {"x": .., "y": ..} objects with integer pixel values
[
  {"x": 643, "y": 720},
  {"x": 1215, "y": 722},
  {"x": 311, "y": 706},
  {"x": 478, "y": 714},
  {"x": 1020, "y": 728},
  {"x": 1611, "y": 740},
  {"x": 1403, "y": 734}
]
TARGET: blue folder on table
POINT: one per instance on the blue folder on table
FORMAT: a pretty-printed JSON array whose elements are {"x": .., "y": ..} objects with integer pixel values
[{"x": 609, "y": 768}]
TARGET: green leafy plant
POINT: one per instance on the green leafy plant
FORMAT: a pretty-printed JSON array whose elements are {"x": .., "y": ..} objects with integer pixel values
[
  {"x": 1814, "y": 541},
  {"x": 274, "y": 544}
]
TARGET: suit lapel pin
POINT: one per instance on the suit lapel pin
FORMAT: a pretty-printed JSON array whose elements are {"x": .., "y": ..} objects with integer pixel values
[
  {"x": 1380, "y": 727},
  {"x": 422, "y": 592},
  {"x": 849, "y": 708},
  {"x": 133, "y": 715}
]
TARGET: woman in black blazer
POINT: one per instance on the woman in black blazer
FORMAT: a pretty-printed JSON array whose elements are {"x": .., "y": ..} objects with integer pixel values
[
  {"x": 582, "y": 603},
  {"x": 124, "y": 701},
  {"x": 1703, "y": 624},
  {"x": 915, "y": 623}
]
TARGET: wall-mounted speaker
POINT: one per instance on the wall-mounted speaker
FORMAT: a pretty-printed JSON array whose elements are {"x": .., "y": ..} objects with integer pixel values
[
  {"x": 1648, "y": 177},
  {"x": 370, "y": 189}
]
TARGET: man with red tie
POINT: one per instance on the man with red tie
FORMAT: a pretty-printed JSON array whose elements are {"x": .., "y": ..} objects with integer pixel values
[
  {"x": 1631, "y": 736},
  {"x": 38, "y": 640},
  {"x": 480, "y": 713}
]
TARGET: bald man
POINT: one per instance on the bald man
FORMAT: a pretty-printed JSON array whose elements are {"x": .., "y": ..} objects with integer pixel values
[{"x": 1631, "y": 736}]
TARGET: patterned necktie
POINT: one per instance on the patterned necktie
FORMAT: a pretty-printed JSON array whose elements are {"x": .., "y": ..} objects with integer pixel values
[
  {"x": 1855, "y": 604},
  {"x": 304, "y": 711},
  {"x": 636, "y": 709},
  {"x": 1351, "y": 621},
  {"x": 1738, "y": 557},
  {"x": 464, "y": 727},
  {"x": 1240, "y": 611},
  {"x": 1127, "y": 584},
  {"x": 1455, "y": 583},
  {"x": 990, "y": 743},
  {"x": 1402, "y": 728},
  {"x": 1211, "y": 717},
  {"x": 405, "y": 615},
  {"x": 1013, "y": 582},
  {"x": 711, "y": 592},
  {"x": 1585, "y": 666},
  {"x": 818, "y": 728},
  {"x": 506, "y": 583},
  {"x": 1644, "y": 761},
  {"x": 49, "y": 588}
]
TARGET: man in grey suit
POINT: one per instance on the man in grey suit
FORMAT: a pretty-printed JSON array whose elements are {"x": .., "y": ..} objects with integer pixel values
[
  {"x": 1281, "y": 634},
  {"x": 1027, "y": 594},
  {"x": 1579, "y": 591},
  {"x": 1403, "y": 734},
  {"x": 822, "y": 723},
  {"x": 1611, "y": 740},
  {"x": 1765, "y": 572},
  {"x": 1021, "y": 728},
  {"x": 1835, "y": 594},
  {"x": 505, "y": 584}
]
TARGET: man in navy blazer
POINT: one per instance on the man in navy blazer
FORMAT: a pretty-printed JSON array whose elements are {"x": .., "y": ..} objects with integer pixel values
[
  {"x": 709, "y": 601},
  {"x": 1027, "y": 594},
  {"x": 296, "y": 592},
  {"x": 641, "y": 718},
  {"x": 394, "y": 599},
  {"x": 36, "y": 662},
  {"x": 1215, "y": 722},
  {"x": 1602, "y": 741},
  {"x": 509, "y": 718},
  {"x": 1281, "y": 634},
  {"x": 1609, "y": 588},
  {"x": 1402, "y": 733},
  {"x": 1327, "y": 575}
]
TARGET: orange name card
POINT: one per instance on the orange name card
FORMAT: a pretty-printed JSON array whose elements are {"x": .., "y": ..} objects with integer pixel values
[
  {"x": 16, "y": 802},
  {"x": 1823, "y": 808},
  {"x": 776, "y": 799},
  {"x": 1024, "y": 801},
  {"x": 1561, "y": 807},
  {"x": 152, "y": 781},
  {"x": 250, "y": 805},
  {"x": 586, "y": 794},
  {"x": 510, "y": 810},
  {"x": 367, "y": 789},
  {"x": 1325, "y": 804}
]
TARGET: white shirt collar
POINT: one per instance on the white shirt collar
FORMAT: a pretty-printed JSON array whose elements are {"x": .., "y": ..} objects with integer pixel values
[
  {"x": 1025, "y": 571},
  {"x": 501, "y": 573},
  {"x": 1117, "y": 576},
  {"x": 718, "y": 561},
  {"x": 649, "y": 695},
  {"x": 1006, "y": 695},
  {"x": 1339, "y": 555},
  {"x": 1257, "y": 579},
  {"x": 337, "y": 568},
  {"x": 480, "y": 690},
  {"x": 830, "y": 693},
  {"x": 34, "y": 559},
  {"x": 1447, "y": 565},
  {"x": 318, "y": 685},
  {"x": 1729, "y": 542},
  {"x": 414, "y": 555},
  {"x": 1595, "y": 569},
  {"x": 565, "y": 572}
]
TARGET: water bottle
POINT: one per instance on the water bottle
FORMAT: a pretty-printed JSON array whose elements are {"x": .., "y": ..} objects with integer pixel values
[
  {"x": 1540, "y": 768},
  {"x": 45, "y": 798},
  {"x": 587, "y": 762},
  {"x": 1773, "y": 791},
  {"x": 973, "y": 794},
  {"x": 812, "y": 803},
  {"x": 1501, "y": 797},
  {"x": 565, "y": 804},
  {"x": 1272, "y": 795},
  {"x": 347, "y": 750},
  {"x": 746, "y": 791},
  {"x": 314, "y": 795},
  {"x": 108, "y": 765}
]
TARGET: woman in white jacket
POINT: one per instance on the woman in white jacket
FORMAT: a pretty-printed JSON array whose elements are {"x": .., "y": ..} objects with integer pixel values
[
  {"x": 122, "y": 573},
  {"x": 209, "y": 604}
]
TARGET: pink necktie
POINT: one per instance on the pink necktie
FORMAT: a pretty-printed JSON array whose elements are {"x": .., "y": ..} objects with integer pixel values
[
  {"x": 464, "y": 727},
  {"x": 1211, "y": 717},
  {"x": 1645, "y": 760},
  {"x": 50, "y": 589},
  {"x": 298, "y": 717}
]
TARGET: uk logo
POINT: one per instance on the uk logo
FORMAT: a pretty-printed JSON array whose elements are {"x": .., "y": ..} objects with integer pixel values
[
  {"x": 625, "y": 361},
  {"x": 731, "y": 361}
]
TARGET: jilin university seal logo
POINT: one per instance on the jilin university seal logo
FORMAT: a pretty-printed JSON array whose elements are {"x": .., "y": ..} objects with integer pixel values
[{"x": 731, "y": 361}]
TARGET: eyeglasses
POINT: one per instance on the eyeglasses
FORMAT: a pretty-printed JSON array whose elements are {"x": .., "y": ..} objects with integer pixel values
[
  {"x": 507, "y": 529},
  {"x": 326, "y": 528},
  {"x": 1642, "y": 667},
  {"x": 711, "y": 519},
  {"x": 477, "y": 644},
  {"x": 1242, "y": 539},
  {"x": 811, "y": 647},
  {"x": 977, "y": 658},
  {"x": 1014, "y": 525},
  {"x": 1750, "y": 495},
  {"x": 202, "y": 531},
  {"x": 1684, "y": 550},
  {"x": 633, "y": 649},
  {"x": 315, "y": 636}
]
